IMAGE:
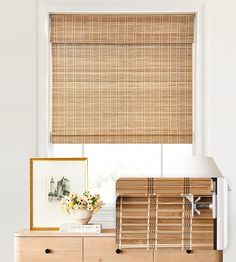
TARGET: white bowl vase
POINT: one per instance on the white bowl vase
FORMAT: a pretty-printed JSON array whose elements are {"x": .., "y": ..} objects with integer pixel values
[{"x": 82, "y": 216}]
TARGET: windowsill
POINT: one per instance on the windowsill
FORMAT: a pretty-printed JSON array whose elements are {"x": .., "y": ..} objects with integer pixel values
[{"x": 106, "y": 216}]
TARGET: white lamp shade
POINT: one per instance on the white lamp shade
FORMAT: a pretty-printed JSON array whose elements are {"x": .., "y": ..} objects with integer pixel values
[{"x": 192, "y": 167}]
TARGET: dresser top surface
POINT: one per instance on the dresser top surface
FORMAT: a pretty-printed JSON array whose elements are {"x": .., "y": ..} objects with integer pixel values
[{"x": 35, "y": 233}]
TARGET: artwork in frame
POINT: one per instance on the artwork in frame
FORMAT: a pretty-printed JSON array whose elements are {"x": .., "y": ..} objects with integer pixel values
[{"x": 50, "y": 180}]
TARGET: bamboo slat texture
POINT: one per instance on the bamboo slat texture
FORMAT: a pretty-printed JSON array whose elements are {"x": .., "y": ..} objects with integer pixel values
[
  {"x": 122, "y": 78},
  {"x": 154, "y": 213},
  {"x": 122, "y": 29}
]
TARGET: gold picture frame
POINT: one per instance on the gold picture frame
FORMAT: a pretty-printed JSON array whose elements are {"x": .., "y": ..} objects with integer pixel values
[{"x": 68, "y": 173}]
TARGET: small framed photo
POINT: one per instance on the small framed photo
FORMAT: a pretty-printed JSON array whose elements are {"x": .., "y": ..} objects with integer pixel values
[{"x": 50, "y": 180}]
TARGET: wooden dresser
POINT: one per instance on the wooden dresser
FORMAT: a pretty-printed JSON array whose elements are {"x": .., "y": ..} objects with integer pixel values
[{"x": 43, "y": 246}]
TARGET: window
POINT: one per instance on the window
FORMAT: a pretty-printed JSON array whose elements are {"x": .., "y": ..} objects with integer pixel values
[
  {"x": 107, "y": 162},
  {"x": 121, "y": 93}
]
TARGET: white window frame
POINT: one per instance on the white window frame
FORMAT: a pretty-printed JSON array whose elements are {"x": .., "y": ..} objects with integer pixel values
[{"x": 46, "y": 7}]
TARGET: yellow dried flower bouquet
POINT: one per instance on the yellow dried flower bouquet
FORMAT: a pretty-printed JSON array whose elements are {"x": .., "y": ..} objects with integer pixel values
[{"x": 82, "y": 207}]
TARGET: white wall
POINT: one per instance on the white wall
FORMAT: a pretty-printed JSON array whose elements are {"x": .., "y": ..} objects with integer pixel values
[
  {"x": 18, "y": 125},
  {"x": 221, "y": 98},
  {"x": 17, "y": 116}
]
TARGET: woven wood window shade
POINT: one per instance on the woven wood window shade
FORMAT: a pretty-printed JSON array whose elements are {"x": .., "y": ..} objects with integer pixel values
[
  {"x": 154, "y": 213},
  {"x": 122, "y": 78}
]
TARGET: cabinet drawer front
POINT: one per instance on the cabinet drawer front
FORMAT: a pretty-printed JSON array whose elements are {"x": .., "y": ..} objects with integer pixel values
[
  {"x": 182, "y": 256},
  {"x": 43, "y": 249},
  {"x": 97, "y": 249}
]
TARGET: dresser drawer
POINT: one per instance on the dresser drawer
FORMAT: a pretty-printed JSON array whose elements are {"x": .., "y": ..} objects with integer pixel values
[
  {"x": 43, "y": 249},
  {"x": 103, "y": 249},
  {"x": 182, "y": 256}
]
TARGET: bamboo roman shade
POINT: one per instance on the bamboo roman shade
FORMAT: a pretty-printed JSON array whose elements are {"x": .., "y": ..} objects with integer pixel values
[
  {"x": 122, "y": 78},
  {"x": 155, "y": 213}
]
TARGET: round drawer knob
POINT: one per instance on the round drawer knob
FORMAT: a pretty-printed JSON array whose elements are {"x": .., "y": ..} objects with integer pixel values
[
  {"x": 48, "y": 251},
  {"x": 118, "y": 251}
]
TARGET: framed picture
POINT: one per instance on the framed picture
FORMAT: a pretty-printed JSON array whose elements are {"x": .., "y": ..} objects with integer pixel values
[{"x": 50, "y": 180}]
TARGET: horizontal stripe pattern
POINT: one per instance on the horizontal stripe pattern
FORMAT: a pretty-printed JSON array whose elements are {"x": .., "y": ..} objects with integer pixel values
[
  {"x": 114, "y": 91},
  {"x": 153, "y": 213},
  {"x": 133, "y": 29}
]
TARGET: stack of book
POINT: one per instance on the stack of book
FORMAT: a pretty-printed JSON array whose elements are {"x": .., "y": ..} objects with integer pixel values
[{"x": 77, "y": 228}]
